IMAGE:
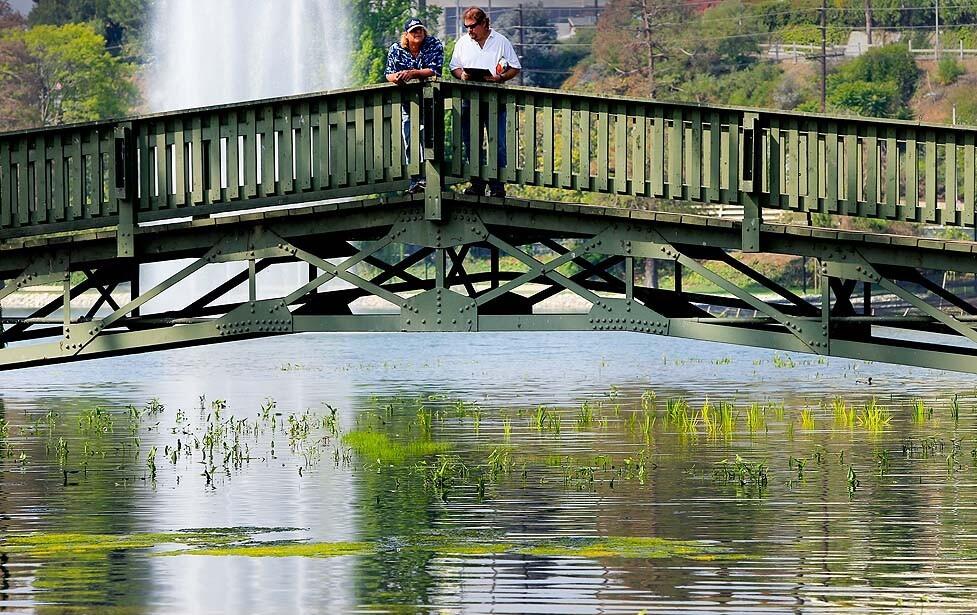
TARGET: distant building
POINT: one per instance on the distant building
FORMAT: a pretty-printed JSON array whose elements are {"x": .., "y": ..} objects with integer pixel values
[
  {"x": 560, "y": 12},
  {"x": 576, "y": 24}
]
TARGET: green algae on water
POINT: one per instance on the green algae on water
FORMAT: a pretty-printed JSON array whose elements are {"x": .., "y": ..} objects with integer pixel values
[
  {"x": 626, "y": 547},
  {"x": 378, "y": 446},
  {"x": 78, "y": 545},
  {"x": 284, "y": 549},
  {"x": 240, "y": 542}
]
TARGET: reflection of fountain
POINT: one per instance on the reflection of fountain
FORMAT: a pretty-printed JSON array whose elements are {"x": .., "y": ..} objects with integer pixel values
[
  {"x": 209, "y": 52},
  {"x": 221, "y": 51}
]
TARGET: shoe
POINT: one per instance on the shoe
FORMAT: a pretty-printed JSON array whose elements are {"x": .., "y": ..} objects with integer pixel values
[
  {"x": 498, "y": 192},
  {"x": 475, "y": 190},
  {"x": 417, "y": 186}
]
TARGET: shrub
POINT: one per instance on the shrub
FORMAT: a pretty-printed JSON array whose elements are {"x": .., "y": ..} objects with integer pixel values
[
  {"x": 866, "y": 98},
  {"x": 810, "y": 34},
  {"x": 889, "y": 64},
  {"x": 948, "y": 71}
]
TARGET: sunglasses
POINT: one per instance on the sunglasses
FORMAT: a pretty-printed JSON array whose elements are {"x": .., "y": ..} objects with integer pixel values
[{"x": 472, "y": 26}]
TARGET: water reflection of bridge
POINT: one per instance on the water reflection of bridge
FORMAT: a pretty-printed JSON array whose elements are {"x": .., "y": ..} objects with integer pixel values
[{"x": 85, "y": 205}]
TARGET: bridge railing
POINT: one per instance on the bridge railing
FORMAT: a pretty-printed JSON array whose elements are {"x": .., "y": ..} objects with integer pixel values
[
  {"x": 893, "y": 170},
  {"x": 202, "y": 161},
  {"x": 348, "y": 143}
]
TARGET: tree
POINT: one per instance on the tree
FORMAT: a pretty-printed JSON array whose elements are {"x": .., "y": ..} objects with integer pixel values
[
  {"x": 633, "y": 38},
  {"x": 12, "y": 53},
  {"x": 724, "y": 40},
  {"x": 65, "y": 75},
  {"x": 545, "y": 63},
  {"x": 121, "y": 22},
  {"x": 9, "y": 18},
  {"x": 377, "y": 25}
]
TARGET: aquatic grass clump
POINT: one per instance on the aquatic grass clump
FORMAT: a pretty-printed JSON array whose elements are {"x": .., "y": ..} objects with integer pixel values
[
  {"x": 844, "y": 414},
  {"x": 955, "y": 409},
  {"x": 380, "y": 447},
  {"x": 873, "y": 417},
  {"x": 425, "y": 420},
  {"x": 756, "y": 419},
  {"x": 676, "y": 411},
  {"x": 919, "y": 411},
  {"x": 442, "y": 473},
  {"x": 95, "y": 421},
  {"x": 500, "y": 461},
  {"x": 585, "y": 416},
  {"x": 746, "y": 473},
  {"x": 727, "y": 419},
  {"x": 807, "y": 419},
  {"x": 648, "y": 400}
]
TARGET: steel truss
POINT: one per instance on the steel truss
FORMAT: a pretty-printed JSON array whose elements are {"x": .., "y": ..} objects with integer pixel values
[{"x": 532, "y": 251}]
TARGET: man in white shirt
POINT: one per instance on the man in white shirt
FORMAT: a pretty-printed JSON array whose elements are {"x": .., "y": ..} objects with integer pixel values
[{"x": 496, "y": 61}]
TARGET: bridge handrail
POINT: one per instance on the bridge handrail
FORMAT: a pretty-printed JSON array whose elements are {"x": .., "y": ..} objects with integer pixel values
[{"x": 277, "y": 151}]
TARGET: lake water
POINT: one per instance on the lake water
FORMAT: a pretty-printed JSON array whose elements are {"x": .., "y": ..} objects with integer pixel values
[{"x": 477, "y": 473}]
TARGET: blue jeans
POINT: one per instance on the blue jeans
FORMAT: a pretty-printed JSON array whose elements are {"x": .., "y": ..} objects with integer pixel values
[
  {"x": 483, "y": 128},
  {"x": 405, "y": 124}
]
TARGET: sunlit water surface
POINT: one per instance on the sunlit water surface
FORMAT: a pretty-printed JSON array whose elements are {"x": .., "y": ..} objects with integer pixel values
[{"x": 847, "y": 517}]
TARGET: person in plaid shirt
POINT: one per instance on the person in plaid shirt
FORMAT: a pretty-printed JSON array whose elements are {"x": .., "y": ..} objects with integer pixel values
[{"x": 417, "y": 56}]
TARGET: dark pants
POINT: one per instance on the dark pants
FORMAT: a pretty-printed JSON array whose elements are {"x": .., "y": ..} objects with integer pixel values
[{"x": 483, "y": 127}]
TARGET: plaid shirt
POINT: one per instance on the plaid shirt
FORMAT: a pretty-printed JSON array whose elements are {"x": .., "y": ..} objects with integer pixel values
[{"x": 431, "y": 56}]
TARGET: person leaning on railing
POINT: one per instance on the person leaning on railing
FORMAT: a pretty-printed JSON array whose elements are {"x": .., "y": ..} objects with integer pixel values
[
  {"x": 483, "y": 55},
  {"x": 418, "y": 55}
]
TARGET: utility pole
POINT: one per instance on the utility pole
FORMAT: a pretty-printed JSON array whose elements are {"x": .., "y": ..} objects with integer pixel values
[
  {"x": 868, "y": 21},
  {"x": 937, "y": 30},
  {"x": 522, "y": 47},
  {"x": 824, "y": 56},
  {"x": 457, "y": 19}
]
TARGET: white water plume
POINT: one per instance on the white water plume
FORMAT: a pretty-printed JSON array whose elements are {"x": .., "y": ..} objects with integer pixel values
[{"x": 209, "y": 52}]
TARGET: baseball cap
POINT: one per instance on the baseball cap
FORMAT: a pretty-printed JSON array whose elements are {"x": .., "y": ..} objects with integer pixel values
[{"x": 413, "y": 23}]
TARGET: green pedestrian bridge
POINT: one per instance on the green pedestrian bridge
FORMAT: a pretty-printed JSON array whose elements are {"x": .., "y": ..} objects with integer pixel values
[{"x": 319, "y": 180}]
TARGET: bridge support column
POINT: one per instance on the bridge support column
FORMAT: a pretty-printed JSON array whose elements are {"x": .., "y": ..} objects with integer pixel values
[
  {"x": 433, "y": 151},
  {"x": 124, "y": 199},
  {"x": 752, "y": 219}
]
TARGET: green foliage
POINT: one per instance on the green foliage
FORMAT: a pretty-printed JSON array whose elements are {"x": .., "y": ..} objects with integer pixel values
[
  {"x": 891, "y": 63},
  {"x": 879, "y": 83},
  {"x": 69, "y": 75},
  {"x": 965, "y": 102},
  {"x": 752, "y": 87},
  {"x": 948, "y": 71},
  {"x": 810, "y": 34},
  {"x": 377, "y": 25},
  {"x": 952, "y": 37},
  {"x": 865, "y": 98},
  {"x": 722, "y": 49}
]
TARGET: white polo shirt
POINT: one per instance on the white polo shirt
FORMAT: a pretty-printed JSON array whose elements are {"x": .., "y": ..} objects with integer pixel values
[{"x": 468, "y": 54}]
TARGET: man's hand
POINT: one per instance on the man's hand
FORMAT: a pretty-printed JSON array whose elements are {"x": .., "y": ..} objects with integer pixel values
[
  {"x": 493, "y": 78},
  {"x": 465, "y": 76}
]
